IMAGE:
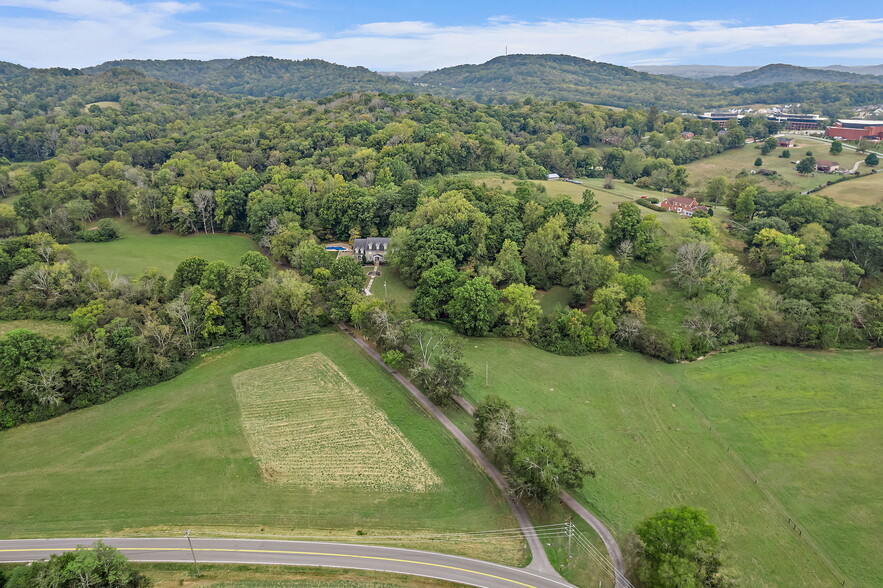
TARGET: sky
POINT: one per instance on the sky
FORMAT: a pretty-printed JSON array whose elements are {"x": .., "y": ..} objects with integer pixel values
[{"x": 399, "y": 35}]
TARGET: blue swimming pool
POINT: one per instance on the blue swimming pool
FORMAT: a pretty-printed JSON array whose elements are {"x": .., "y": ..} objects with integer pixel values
[{"x": 335, "y": 248}]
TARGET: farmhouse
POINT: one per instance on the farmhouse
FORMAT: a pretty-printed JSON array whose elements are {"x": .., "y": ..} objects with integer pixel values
[
  {"x": 371, "y": 250},
  {"x": 826, "y": 166},
  {"x": 856, "y": 130},
  {"x": 682, "y": 205}
]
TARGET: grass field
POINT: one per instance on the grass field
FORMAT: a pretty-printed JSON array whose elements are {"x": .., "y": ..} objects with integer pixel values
[
  {"x": 245, "y": 576},
  {"x": 308, "y": 425},
  {"x": 805, "y": 426},
  {"x": 730, "y": 163},
  {"x": 137, "y": 250},
  {"x": 389, "y": 286},
  {"x": 867, "y": 190},
  {"x": 555, "y": 296},
  {"x": 173, "y": 575},
  {"x": 174, "y": 456},
  {"x": 48, "y": 328}
]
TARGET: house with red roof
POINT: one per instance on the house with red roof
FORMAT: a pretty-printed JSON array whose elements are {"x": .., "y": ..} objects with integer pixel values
[{"x": 682, "y": 205}]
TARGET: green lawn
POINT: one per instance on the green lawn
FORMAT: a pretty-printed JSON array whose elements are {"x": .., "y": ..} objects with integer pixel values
[
  {"x": 137, "y": 250},
  {"x": 730, "y": 163},
  {"x": 389, "y": 286},
  {"x": 48, "y": 328},
  {"x": 806, "y": 426},
  {"x": 867, "y": 190},
  {"x": 174, "y": 456},
  {"x": 555, "y": 296}
]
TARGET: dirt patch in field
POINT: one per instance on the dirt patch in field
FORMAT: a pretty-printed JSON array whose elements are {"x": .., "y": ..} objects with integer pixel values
[{"x": 308, "y": 425}]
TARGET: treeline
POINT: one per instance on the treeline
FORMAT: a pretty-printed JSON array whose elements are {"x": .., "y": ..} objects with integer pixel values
[
  {"x": 816, "y": 253},
  {"x": 98, "y": 566},
  {"x": 132, "y": 333},
  {"x": 44, "y": 114},
  {"x": 263, "y": 76}
]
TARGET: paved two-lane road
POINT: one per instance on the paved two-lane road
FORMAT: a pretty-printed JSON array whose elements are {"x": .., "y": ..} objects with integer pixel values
[{"x": 462, "y": 570}]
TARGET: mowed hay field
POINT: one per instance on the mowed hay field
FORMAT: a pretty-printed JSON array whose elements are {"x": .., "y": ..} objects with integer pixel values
[
  {"x": 866, "y": 190},
  {"x": 805, "y": 425},
  {"x": 175, "y": 456},
  {"x": 137, "y": 251},
  {"x": 729, "y": 163},
  {"x": 307, "y": 424}
]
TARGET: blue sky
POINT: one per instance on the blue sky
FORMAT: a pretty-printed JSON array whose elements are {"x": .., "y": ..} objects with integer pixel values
[{"x": 403, "y": 35}]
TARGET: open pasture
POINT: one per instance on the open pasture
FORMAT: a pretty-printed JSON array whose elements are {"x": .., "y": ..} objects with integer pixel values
[
  {"x": 137, "y": 251},
  {"x": 866, "y": 190},
  {"x": 175, "y": 456},
  {"x": 307, "y": 424},
  {"x": 755, "y": 437},
  {"x": 732, "y": 162}
]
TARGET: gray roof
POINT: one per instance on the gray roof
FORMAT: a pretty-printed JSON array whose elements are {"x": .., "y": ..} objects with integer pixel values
[{"x": 371, "y": 243}]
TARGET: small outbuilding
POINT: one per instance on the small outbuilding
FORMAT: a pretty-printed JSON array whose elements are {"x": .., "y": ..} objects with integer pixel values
[
  {"x": 784, "y": 142},
  {"x": 553, "y": 177},
  {"x": 826, "y": 166}
]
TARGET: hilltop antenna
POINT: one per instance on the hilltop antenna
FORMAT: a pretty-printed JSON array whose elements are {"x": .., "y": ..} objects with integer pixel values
[{"x": 507, "y": 50}]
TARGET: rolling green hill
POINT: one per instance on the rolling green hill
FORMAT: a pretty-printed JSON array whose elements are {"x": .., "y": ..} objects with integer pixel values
[
  {"x": 778, "y": 73},
  {"x": 565, "y": 77},
  {"x": 263, "y": 76}
]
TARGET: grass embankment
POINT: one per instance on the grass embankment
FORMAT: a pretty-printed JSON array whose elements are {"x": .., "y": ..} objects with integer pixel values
[
  {"x": 804, "y": 425},
  {"x": 169, "y": 575},
  {"x": 174, "y": 456},
  {"x": 137, "y": 251},
  {"x": 730, "y": 163}
]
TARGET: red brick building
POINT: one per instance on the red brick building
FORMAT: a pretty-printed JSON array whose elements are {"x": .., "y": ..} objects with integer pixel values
[
  {"x": 682, "y": 205},
  {"x": 856, "y": 130}
]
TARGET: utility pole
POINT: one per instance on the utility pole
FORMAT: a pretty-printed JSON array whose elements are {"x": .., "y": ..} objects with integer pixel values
[
  {"x": 569, "y": 538},
  {"x": 193, "y": 553},
  {"x": 486, "y": 369}
]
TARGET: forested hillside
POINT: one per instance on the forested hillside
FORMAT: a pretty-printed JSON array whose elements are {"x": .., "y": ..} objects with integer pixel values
[
  {"x": 510, "y": 78},
  {"x": 263, "y": 76},
  {"x": 75, "y": 148},
  {"x": 563, "y": 77},
  {"x": 780, "y": 73}
]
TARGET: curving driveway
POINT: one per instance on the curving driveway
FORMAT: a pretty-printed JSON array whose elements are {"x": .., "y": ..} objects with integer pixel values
[{"x": 452, "y": 568}]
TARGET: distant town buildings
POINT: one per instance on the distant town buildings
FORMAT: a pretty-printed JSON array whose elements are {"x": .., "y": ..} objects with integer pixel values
[
  {"x": 721, "y": 118},
  {"x": 856, "y": 130},
  {"x": 798, "y": 122}
]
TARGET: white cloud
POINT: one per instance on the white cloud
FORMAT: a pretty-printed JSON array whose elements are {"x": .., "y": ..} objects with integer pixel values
[
  {"x": 77, "y": 33},
  {"x": 262, "y": 32}
]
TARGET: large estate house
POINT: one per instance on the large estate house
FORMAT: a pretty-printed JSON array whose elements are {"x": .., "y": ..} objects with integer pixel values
[
  {"x": 371, "y": 250},
  {"x": 682, "y": 205}
]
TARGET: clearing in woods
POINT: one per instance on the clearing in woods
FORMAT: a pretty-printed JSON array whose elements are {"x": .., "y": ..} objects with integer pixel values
[{"x": 307, "y": 424}]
